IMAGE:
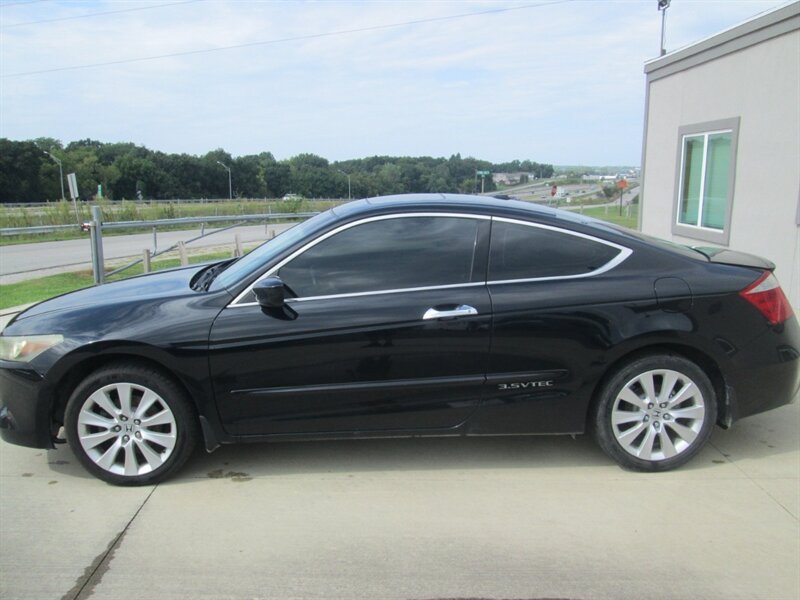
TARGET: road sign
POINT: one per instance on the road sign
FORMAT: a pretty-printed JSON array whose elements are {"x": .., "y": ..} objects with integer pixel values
[
  {"x": 554, "y": 190},
  {"x": 622, "y": 184},
  {"x": 483, "y": 173},
  {"x": 73, "y": 185}
]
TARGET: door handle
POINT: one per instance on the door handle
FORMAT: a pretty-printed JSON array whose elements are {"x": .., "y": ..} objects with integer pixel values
[{"x": 462, "y": 310}]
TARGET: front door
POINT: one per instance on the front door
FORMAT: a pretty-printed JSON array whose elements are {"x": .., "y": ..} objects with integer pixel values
[{"x": 389, "y": 331}]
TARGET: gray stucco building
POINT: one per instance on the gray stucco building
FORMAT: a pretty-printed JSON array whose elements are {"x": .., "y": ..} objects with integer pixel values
[{"x": 721, "y": 151}]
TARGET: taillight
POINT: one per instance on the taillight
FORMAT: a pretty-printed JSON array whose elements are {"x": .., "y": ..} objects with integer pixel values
[{"x": 767, "y": 296}]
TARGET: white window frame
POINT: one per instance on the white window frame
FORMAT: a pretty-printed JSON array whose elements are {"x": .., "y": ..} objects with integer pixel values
[{"x": 704, "y": 130}]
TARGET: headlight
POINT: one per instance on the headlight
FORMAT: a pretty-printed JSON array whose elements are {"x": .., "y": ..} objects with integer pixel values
[{"x": 25, "y": 348}]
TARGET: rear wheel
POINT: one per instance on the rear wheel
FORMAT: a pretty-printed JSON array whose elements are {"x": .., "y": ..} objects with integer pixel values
[
  {"x": 130, "y": 425},
  {"x": 655, "y": 413}
]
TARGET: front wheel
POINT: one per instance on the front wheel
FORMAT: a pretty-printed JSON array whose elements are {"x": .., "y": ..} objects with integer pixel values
[
  {"x": 130, "y": 425},
  {"x": 655, "y": 413}
]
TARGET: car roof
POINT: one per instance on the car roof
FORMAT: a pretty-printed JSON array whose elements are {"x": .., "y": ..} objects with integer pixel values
[
  {"x": 459, "y": 202},
  {"x": 405, "y": 202}
]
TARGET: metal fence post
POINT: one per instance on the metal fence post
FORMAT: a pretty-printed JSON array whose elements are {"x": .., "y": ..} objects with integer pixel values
[{"x": 98, "y": 266}]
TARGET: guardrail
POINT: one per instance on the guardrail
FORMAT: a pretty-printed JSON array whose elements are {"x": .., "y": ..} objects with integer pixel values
[
  {"x": 36, "y": 229},
  {"x": 96, "y": 227},
  {"x": 163, "y": 201},
  {"x": 8, "y": 231}
]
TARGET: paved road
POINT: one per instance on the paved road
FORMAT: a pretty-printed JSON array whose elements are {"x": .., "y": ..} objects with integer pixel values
[
  {"x": 546, "y": 517},
  {"x": 26, "y": 261}
]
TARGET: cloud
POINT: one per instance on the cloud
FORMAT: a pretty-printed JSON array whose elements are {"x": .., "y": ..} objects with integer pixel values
[{"x": 559, "y": 83}]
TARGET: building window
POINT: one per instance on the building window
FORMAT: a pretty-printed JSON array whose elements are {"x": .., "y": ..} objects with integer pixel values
[{"x": 706, "y": 168}]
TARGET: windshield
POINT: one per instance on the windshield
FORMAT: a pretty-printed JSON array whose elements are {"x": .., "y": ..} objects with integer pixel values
[{"x": 254, "y": 260}]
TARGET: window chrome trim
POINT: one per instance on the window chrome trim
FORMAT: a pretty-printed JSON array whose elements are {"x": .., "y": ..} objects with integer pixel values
[
  {"x": 617, "y": 260},
  {"x": 375, "y": 293},
  {"x": 235, "y": 303},
  {"x": 614, "y": 262}
]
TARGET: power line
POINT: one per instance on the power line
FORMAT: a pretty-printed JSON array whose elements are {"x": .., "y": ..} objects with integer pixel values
[
  {"x": 288, "y": 39},
  {"x": 98, "y": 14},
  {"x": 7, "y": 4}
]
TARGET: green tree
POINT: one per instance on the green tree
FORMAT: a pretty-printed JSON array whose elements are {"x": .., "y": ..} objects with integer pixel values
[
  {"x": 20, "y": 166},
  {"x": 125, "y": 168}
]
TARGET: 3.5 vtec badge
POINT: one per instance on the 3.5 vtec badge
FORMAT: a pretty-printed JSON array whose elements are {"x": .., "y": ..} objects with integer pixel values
[{"x": 524, "y": 385}]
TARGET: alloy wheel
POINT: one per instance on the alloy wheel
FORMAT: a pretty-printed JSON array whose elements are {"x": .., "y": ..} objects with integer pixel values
[
  {"x": 658, "y": 414},
  {"x": 127, "y": 429}
]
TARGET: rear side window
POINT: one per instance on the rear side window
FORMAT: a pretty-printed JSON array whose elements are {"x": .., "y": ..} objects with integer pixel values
[
  {"x": 389, "y": 254},
  {"x": 531, "y": 252}
]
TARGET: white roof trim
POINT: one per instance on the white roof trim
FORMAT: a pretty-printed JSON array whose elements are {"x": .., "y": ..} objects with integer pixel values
[{"x": 759, "y": 22}]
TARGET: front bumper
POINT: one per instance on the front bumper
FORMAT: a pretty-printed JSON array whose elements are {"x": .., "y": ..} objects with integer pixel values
[{"x": 25, "y": 407}]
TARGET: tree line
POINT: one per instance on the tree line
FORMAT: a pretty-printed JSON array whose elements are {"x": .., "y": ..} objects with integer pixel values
[{"x": 121, "y": 171}]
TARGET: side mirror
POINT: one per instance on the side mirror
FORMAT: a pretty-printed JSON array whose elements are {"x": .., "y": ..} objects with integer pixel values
[{"x": 270, "y": 292}]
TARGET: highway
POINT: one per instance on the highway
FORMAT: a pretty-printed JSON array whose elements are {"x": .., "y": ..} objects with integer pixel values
[{"x": 28, "y": 261}]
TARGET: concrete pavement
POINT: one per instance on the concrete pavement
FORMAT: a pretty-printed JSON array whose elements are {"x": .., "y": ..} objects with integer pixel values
[{"x": 515, "y": 517}]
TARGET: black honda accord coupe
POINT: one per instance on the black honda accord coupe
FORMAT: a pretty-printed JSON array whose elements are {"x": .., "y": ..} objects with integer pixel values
[{"x": 407, "y": 316}]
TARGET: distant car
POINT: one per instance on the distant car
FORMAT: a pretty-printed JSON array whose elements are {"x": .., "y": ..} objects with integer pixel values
[
  {"x": 407, "y": 316},
  {"x": 292, "y": 197}
]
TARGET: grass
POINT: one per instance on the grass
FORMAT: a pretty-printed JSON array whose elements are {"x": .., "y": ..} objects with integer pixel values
[
  {"x": 36, "y": 290},
  {"x": 611, "y": 214}
]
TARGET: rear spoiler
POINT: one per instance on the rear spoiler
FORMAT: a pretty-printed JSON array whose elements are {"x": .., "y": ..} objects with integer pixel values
[{"x": 731, "y": 257}]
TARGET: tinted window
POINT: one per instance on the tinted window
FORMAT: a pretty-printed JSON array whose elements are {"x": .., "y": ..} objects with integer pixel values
[
  {"x": 397, "y": 253},
  {"x": 268, "y": 251},
  {"x": 523, "y": 252}
]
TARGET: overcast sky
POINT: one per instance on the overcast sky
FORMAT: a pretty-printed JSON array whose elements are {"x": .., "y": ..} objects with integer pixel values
[{"x": 556, "y": 82}]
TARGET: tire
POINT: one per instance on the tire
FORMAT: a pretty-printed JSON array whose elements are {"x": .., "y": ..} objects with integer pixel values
[
  {"x": 655, "y": 413},
  {"x": 130, "y": 425}
]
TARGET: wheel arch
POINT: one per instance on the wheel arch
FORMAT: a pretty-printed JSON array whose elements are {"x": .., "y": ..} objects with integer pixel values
[
  {"x": 703, "y": 360},
  {"x": 77, "y": 371}
]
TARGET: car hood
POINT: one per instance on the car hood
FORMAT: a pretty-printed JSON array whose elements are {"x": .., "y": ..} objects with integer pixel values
[{"x": 162, "y": 284}]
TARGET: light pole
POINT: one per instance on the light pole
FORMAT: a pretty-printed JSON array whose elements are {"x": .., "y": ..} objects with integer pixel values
[
  {"x": 230, "y": 186},
  {"x": 663, "y": 5},
  {"x": 61, "y": 181},
  {"x": 60, "y": 172},
  {"x": 349, "y": 195}
]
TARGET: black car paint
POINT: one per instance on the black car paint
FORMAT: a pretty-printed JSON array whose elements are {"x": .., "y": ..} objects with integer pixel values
[{"x": 370, "y": 366}]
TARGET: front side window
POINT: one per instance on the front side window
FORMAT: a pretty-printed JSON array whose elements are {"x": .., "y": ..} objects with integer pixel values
[
  {"x": 705, "y": 180},
  {"x": 387, "y": 254},
  {"x": 530, "y": 252}
]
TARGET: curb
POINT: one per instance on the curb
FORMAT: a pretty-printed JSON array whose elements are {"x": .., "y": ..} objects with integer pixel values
[{"x": 6, "y": 314}]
